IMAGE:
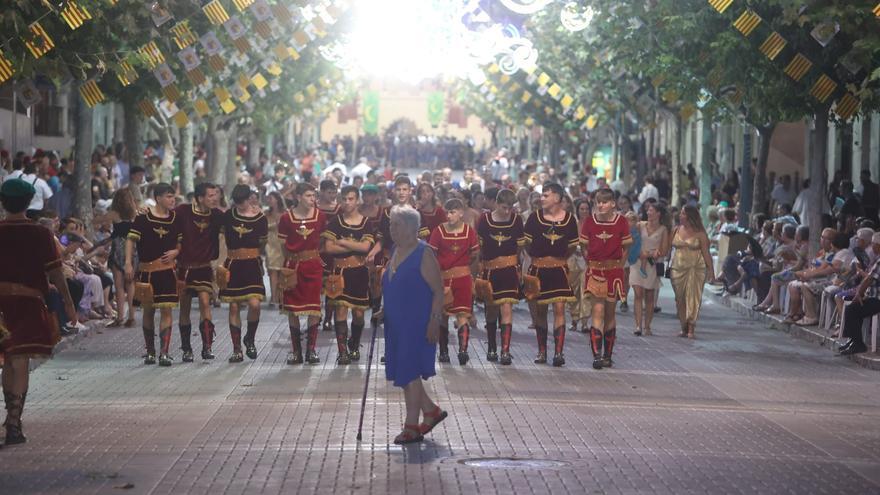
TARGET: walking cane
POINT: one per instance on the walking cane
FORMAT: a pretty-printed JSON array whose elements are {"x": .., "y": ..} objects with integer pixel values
[{"x": 367, "y": 381}]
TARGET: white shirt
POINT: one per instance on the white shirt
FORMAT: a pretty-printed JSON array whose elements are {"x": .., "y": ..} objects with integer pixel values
[
  {"x": 781, "y": 196},
  {"x": 273, "y": 185},
  {"x": 15, "y": 174},
  {"x": 360, "y": 170},
  {"x": 649, "y": 191},
  {"x": 44, "y": 192}
]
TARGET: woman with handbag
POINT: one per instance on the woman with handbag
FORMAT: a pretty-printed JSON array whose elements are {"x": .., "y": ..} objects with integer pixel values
[{"x": 644, "y": 275}]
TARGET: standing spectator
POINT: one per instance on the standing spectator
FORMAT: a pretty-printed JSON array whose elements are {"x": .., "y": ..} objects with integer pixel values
[
  {"x": 137, "y": 184},
  {"x": 274, "y": 246},
  {"x": 644, "y": 276},
  {"x": 870, "y": 195},
  {"x": 43, "y": 191},
  {"x": 649, "y": 191},
  {"x": 123, "y": 209},
  {"x": 783, "y": 193},
  {"x": 122, "y": 168},
  {"x": 690, "y": 263}
]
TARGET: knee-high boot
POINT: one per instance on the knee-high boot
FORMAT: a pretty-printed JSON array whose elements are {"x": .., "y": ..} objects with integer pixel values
[
  {"x": 150, "y": 345},
  {"x": 296, "y": 354},
  {"x": 235, "y": 333},
  {"x": 354, "y": 341},
  {"x": 341, "y": 328},
  {"x": 608, "y": 339},
  {"x": 206, "y": 330},
  {"x": 443, "y": 345},
  {"x": 186, "y": 342},
  {"x": 492, "y": 335},
  {"x": 596, "y": 339},
  {"x": 14, "y": 409},
  {"x": 559, "y": 346},
  {"x": 464, "y": 333},
  {"x": 250, "y": 347},
  {"x": 311, "y": 345},
  {"x": 541, "y": 334},
  {"x": 165, "y": 340},
  {"x": 506, "y": 331}
]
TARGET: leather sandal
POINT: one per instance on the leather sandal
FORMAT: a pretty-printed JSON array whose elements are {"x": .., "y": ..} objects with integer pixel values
[
  {"x": 432, "y": 419},
  {"x": 410, "y": 434}
]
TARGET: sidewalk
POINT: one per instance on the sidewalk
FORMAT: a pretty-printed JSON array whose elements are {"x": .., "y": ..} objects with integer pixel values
[{"x": 740, "y": 409}]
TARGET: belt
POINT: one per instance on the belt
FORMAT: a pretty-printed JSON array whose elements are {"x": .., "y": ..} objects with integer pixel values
[
  {"x": 154, "y": 266},
  {"x": 349, "y": 261},
  {"x": 500, "y": 262},
  {"x": 188, "y": 266},
  {"x": 21, "y": 290},
  {"x": 604, "y": 264},
  {"x": 243, "y": 254},
  {"x": 302, "y": 255},
  {"x": 549, "y": 262},
  {"x": 456, "y": 272}
]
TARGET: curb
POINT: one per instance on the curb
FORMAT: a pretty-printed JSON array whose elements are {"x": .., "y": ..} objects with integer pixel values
[{"x": 810, "y": 334}]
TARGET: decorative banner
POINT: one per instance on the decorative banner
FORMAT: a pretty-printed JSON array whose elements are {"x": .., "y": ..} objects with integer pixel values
[
  {"x": 181, "y": 119},
  {"x": 151, "y": 55},
  {"x": 28, "y": 94},
  {"x": 234, "y": 28},
  {"x": 196, "y": 76},
  {"x": 147, "y": 108},
  {"x": 773, "y": 45},
  {"x": 126, "y": 73},
  {"x": 798, "y": 67},
  {"x": 74, "y": 15},
  {"x": 228, "y": 106},
  {"x": 720, "y": 5},
  {"x": 159, "y": 14},
  {"x": 171, "y": 92},
  {"x": 91, "y": 93},
  {"x": 39, "y": 43},
  {"x": 201, "y": 107},
  {"x": 847, "y": 106},
  {"x": 371, "y": 112},
  {"x": 242, "y": 4},
  {"x": 164, "y": 75},
  {"x": 435, "y": 108},
  {"x": 822, "y": 88},
  {"x": 215, "y": 12},
  {"x": 259, "y": 81},
  {"x": 747, "y": 22},
  {"x": 189, "y": 57},
  {"x": 183, "y": 35},
  {"x": 216, "y": 63},
  {"x": 210, "y": 43},
  {"x": 261, "y": 10},
  {"x": 6, "y": 70}
]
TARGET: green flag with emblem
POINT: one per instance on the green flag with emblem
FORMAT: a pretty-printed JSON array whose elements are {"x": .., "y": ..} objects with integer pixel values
[
  {"x": 435, "y": 108},
  {"x": 371, "y": 112}
]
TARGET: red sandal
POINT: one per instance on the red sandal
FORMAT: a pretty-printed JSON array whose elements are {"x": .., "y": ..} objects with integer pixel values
[
  {"x": 435, "y": 417},
  {"x": 410, "y": 434}
]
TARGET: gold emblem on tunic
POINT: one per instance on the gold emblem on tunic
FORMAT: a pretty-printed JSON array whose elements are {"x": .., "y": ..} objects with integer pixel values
[
  {"x": 604, "y": 236},
  {"x": 242, "y": 230},
  {"x": 161, "y": 232},
  {"x": 500, "y": 238},
  {"x": 552, "y": 236},
  {"x": 303, "y": 231},
  {"x": 201, "y": 225}
]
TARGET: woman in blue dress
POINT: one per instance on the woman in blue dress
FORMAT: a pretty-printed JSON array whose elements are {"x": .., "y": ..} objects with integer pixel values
[{"x": 412, "y": 287}]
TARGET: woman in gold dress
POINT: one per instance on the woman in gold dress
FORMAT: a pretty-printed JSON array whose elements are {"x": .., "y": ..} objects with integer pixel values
[{"x": 690, "y": 263}]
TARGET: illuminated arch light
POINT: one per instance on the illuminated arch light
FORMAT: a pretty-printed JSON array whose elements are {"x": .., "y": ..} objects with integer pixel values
[
  {"x": 573, "y": 19},
  {"x": 526, "y": 7}
]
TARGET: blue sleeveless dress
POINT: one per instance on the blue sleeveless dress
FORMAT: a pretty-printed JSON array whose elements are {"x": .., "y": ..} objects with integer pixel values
[{"x": 407, "y": 299}]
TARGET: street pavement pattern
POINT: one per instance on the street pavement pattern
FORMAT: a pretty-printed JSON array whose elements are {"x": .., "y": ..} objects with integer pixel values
[{"x": 742, "y": 409}]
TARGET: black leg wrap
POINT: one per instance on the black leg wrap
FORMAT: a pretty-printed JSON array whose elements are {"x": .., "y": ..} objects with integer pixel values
[
  {"x": 492, "y": 335},
  {"x": 185, "y": 337},
  {"x": 14, "y": 410}
]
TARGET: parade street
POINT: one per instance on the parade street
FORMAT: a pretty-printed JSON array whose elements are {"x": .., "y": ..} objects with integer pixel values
[{"x": 741, "y": 409}]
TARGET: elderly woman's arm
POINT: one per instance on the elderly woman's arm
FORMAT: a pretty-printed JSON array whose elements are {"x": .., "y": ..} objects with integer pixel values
[{"x": 431, "y": 273}]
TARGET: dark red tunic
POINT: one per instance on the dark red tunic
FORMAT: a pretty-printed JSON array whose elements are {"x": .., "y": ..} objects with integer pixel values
[
  {"x": 199, "y": 246},
  {"x": 154, "y": 236},
  {"x": 301, "y": 235},
  {"x": 499, "y": 239},
  {"x": 605, "y": 242},
  {"x": 430, "y": 220},
  {"x": 454, "y": 250},
  {"x": 245, "y": 275},
  {"x": 32, "y": 329},
  {"x": 356, "y": 290},
  {"x": 554, "y": 239}
]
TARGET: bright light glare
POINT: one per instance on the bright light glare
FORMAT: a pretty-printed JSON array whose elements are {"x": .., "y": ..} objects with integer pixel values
[{"x": 408, "y": 40}]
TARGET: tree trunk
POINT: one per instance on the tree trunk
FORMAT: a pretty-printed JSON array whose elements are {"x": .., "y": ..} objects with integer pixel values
[
  {"x": 746, "y": 182},
  {"x": 82, "y": 196},
  {"x": 253, "y": 149},
  {"x": 231, "y": 164},
  {"x": 706, "y": 167},
  {"x": 865, "y": 144},
  {"x": 759, "y": 190},
  {"x": 133, "y": 132},
  {"x": 818, "y": 179},
  {"x": 163, "y": 129},
  {"x": 218, "y": 138},
  {"x": 677, "y": 143},
  {"x": 186, "y": 160}
]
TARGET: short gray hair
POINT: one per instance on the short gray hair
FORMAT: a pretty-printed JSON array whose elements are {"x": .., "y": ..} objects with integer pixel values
[{"x": 409, "y": 216}]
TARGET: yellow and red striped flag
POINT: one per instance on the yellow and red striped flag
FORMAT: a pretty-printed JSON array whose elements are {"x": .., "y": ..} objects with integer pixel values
[
  {"x": 6, "y": 70},
  {"x": 74, "y": 15},
  {"x": 215, "y": 12},
  {"x": 183, "y": 35},
  {"x": 91, "y": 93},
  {"x": 38, "y": 43}
]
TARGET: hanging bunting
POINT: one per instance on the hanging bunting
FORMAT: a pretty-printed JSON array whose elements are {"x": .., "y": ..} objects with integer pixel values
[
  {"x": 91, "y": 93},
  {"x": 126, "y": 73},
  {"x": 234, "y": 28},
  {"x": 6, "y": 70},
  {"x": 189, "y": 58},
  {"x": 773, "y": 45},
  {"x": 28, "y": 94},
  {"x": 196, "y": 76},
  {"x": 171, "y": 92},
  {"x": 151, "y": 54},
  {"x": 747, "y": 22},
  {"x": 211, "y": 43},
  {"x": 847, "y": 106},
  {"x": 822, "y": 88},
  {"x": 74, "y": 15},
  {"x": 242, "y": 4},
  {"x": 183, "y": 35},
  {"x": 567, "y": 101},
  {"x": 259, "y": 81},
  {"x": 261, "y": 10},
  {"x": 180, "y": 119},
  {"x": 242, "y": 45},
  {"x": 228, "y": 106},
  {"x": 148, "y": 108},
  {"x": 216, "y": 63},
  {"x": 222, "y": 94},
  {"x": 201, "y": 107},
  {"x": 215, "y": 12},
  {"x": 554, "y": 91},
  {"x": 798, "y": 67},
  {"x": 38, "y": 43},
  {"x": 164, "y": 75}
]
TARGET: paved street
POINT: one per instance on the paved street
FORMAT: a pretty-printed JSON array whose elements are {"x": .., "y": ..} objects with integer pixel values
[{"x": 741, "y": 409}]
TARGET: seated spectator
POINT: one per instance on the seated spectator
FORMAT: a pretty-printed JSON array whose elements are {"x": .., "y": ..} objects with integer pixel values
[
  {"x": 810, "y": 283},
  {"x": 783, "y": 214},
  {"x": 865, "y": 304},
  {"x": 789, "y": 258},
  {"x": 859, "y": 269}
]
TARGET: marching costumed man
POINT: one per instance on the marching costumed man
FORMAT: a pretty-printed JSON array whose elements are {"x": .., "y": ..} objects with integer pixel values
[
  {"x": 373, "y": 210},
  {"x": 245, "y": 229},
  {"x": 200, "y": 224},
  {"x": 348, "y": 238},
  {"x": 26, "y": 327},
  {"x": 552, "y": 236},
  {"x": 328, "y": 204},
  {"x": 501, "y": 237},
  {"x": 457, "y": 248},
  {"x": 606, "y": 238},
  {"x": 300, "y": 229},
  {"x": 156, "y": 236}
]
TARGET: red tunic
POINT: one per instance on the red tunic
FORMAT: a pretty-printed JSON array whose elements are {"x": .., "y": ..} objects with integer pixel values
[
  {"x": 33, "y": 331},
  {"x": 604, "y": 245},
  {"x": 430, "y": 220},
  {"x": 301, "y": 235},
  {"x": 199, "y": 246},
  {"x": 454, "y": 250}
]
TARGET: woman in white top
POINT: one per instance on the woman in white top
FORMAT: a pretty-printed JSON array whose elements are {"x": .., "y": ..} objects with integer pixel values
[{"x": 643, "y": 276}]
